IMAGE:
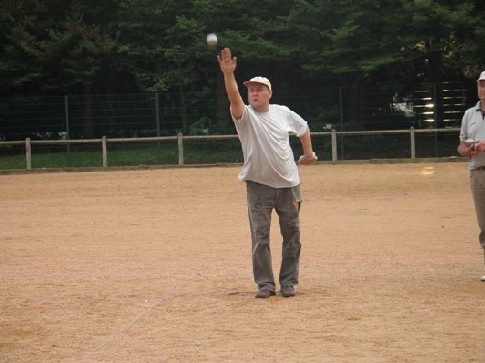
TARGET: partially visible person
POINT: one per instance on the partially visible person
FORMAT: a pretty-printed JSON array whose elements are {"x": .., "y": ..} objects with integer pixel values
[
  {"x": 271, "y": 175},
  {"x": 472, "y": 144}
]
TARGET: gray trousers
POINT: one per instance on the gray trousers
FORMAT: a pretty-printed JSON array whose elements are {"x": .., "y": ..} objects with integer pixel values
[
  {"x": 262, "y": 200},
  {"x": 477, "y": 186}
]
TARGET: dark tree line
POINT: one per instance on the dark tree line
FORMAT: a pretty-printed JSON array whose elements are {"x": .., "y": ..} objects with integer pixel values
[
  {"x": 106, "y": 46},
  {"x": 57, "y": 47}
]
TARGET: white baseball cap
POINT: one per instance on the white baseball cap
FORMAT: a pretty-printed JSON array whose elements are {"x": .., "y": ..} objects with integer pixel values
[
  {"x": 266, "y": 82},
  {"x": 482, "y": 77}
]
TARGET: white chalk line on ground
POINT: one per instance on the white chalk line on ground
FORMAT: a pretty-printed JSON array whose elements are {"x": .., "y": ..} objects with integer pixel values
[{"x": 137, "y": 318}]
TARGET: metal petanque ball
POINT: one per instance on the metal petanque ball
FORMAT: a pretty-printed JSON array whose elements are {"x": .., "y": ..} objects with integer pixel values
[{"x": 212, "y": 40}]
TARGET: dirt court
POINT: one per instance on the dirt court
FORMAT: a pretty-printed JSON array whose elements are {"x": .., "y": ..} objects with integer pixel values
[{"x": 155, "y": 266}]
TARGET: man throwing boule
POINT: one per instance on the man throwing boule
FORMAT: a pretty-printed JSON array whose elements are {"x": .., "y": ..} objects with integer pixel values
[{"x": 271, "y": 174}]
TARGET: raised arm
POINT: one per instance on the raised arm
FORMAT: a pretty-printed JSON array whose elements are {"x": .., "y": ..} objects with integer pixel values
[{"x": 228, "y": 65}]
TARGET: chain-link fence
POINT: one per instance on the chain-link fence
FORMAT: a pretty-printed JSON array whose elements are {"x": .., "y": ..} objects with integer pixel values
[
  {"x": 162, "y": 114},
  {"x": 88, "y": 117}
]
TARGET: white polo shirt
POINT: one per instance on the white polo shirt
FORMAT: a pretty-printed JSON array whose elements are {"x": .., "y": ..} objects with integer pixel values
[
  {"x": 473, "y": 127},
  {"x": 264, "y": 137}
]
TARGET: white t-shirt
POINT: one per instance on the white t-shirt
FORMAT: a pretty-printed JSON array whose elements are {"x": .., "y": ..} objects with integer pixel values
[
  {"x": 473, "y": 127},
  {"x": 265, "y": 142}
]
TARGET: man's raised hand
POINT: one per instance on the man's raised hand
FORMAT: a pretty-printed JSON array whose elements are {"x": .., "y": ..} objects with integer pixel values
[{"x": 226, "y": 61}]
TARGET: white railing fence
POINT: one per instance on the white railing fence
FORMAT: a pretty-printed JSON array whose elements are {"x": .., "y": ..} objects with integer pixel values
[{"x": 180, "y": 141}]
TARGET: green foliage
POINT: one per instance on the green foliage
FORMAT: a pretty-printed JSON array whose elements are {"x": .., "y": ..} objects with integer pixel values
[
  {"x": 130, "y": 154},
  {"x": 200, "y": 127},
  {"x": 116, "y": 46}
]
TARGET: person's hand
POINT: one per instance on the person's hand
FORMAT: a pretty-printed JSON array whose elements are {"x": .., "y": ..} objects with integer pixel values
[
  {"x": 307, "y": 160},
  {"x": 226, "y": 61},
  {"x": 470, "y": 150},
  {"x": 469, "y": 147},
  {"x": 478, "y": 147}
]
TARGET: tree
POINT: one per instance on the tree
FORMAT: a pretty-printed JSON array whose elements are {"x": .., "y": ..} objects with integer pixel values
[
  {"x": 58, "y": 46},
  {"x": 120, "y": 46}
]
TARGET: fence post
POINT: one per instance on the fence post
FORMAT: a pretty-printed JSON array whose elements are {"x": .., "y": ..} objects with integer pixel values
[
  {"x": 413, "y": 143},
  {"x": 334, "y": 145},
  {"x": 28, "y": 154},
  {"x": 180, "y": 143},
  {"x": 105, "y": 152}
]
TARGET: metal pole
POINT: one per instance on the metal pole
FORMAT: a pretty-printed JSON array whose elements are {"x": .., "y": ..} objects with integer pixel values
[
  {"x": 68, "y": 132},
  {"x": 413, "y": 143},
  {"x": 157, "y": 120},
  {"x": 341, "y": 111},
  {"x": 436, "y": 116}
]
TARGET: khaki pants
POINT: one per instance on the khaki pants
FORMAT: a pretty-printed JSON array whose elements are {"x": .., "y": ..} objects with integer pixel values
[
  {"x": 262, "y": 200},
  {"x": 477, "y": 186}
]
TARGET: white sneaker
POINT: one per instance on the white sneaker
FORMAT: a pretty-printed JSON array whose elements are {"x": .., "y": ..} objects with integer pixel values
[{"x": 483, "y": 278}]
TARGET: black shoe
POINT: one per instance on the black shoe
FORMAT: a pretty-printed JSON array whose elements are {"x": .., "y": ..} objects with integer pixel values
[
  {"x": 287, "y": 291},
  {"x": 264, "y": 293}
]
